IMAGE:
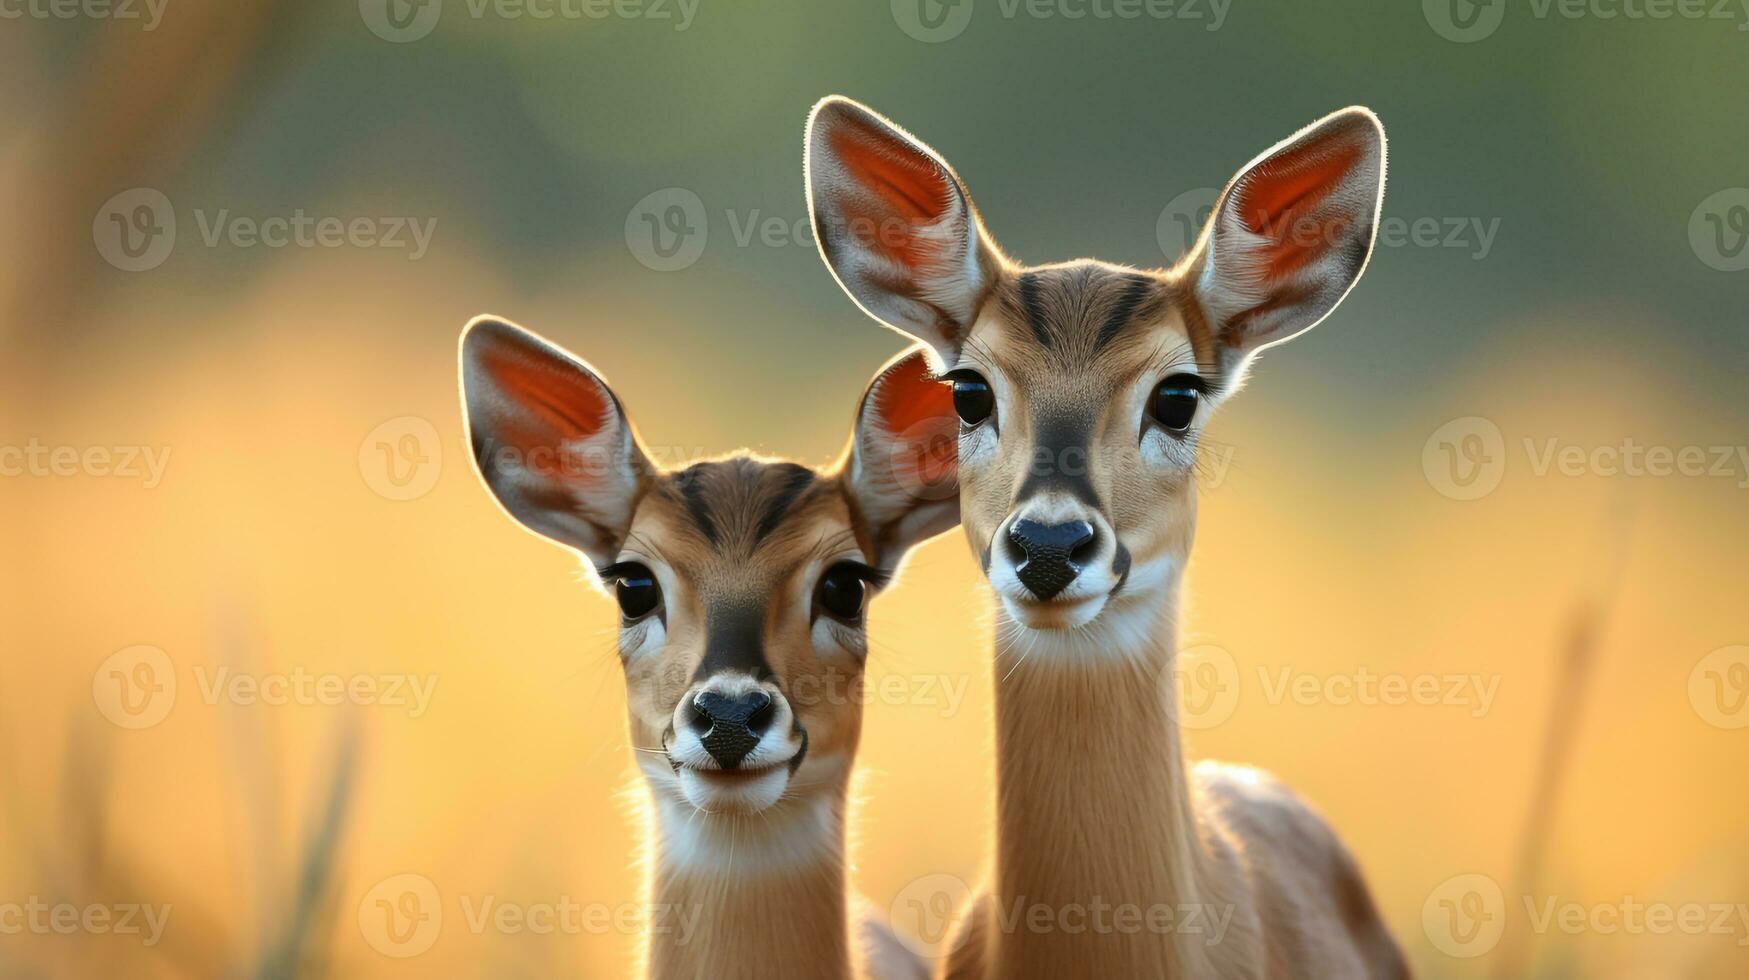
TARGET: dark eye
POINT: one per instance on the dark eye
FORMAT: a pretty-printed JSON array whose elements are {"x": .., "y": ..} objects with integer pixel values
[
  {"x": 843, "y": 591},
  {"x": 635, "y": 587},
  {"x": 1173, "y": 404},
  {"x": 972, "y": 397}
]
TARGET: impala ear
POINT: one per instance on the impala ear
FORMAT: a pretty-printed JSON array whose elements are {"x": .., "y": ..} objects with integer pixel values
[
  {"x": 895, "y": 225},
  {"x": 1291, "y": 234},
  {"x": 549, "y": 439},
  {"x": 903, "y": 470}
]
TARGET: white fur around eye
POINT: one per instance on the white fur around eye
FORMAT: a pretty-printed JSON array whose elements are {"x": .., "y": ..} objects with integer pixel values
[
  {"x": 643, "y": 638},
  {"x": 834, "y": 640},
  {"x": 1177, "y": 452},
  {"x": 977, "y": 443}
]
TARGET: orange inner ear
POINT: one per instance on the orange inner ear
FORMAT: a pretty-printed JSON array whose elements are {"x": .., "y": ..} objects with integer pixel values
[
  {"x": 555, "y": 402},
  {"x": 917, "y": 410},
  {"x": 1277, "y": 201},
  {"x": 909, "y": 190}
]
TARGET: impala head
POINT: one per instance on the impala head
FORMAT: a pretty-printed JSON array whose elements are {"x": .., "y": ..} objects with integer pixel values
[
  {"x": 742, "y": 583},
  {"x": 1083, "y": 388}
]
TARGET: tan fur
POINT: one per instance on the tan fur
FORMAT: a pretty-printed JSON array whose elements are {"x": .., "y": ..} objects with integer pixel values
[{"x": 1095, "y": 803}]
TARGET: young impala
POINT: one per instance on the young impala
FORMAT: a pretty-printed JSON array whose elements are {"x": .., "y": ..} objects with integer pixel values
[
  {"x": 1082, "y": 389},
  {"x": 742, "y": 585}
]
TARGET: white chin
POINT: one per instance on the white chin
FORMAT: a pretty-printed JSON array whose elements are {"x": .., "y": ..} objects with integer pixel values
[
  {"x": 734, "y": 793},
  {"x": 1055, "y": 615}
]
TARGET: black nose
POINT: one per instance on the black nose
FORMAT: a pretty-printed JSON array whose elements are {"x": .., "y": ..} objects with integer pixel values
[
  {"x": 730, "y": 727},
  {"x": 1050, "y": 554}
]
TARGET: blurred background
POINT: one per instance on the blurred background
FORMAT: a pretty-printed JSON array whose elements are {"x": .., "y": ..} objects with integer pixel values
[{"x": 1470, "y": 569}]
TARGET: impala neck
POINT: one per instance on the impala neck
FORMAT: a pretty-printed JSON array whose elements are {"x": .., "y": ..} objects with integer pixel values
[
  {"x": 1094, "y": 810},
  {"x": 759, "y": 894}
]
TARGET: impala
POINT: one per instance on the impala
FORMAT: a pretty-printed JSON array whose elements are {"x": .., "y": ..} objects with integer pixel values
[
  {"x": 1082, "y": 390},
  {"x": 742, "y": 586}
]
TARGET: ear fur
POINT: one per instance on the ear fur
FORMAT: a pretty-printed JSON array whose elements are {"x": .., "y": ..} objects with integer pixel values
[
  {"x": 902, "y": 471},
  {"x": 549, "y": 438},
  {"x": 1291, "y": 234},
  {"x": 895, "y": 225}
]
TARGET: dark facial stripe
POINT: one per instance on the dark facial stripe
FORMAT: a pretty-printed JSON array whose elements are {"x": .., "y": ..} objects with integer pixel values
[
  {"x": 794, "y": 481},
  {"x": 692, "y": 491},
  {"x": 1030, "y": 304},
  {"x": 1060, "y": 460},
  {"x": 734, "y": 641},
  {"x": 1135, "y": 292}
]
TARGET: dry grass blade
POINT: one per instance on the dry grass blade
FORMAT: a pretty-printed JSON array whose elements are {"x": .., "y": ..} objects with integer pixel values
[{"x": 1578, "y": 659}]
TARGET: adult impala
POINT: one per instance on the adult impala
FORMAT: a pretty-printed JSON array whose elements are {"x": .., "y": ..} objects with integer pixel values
[{"x": 1082, "y": 389}]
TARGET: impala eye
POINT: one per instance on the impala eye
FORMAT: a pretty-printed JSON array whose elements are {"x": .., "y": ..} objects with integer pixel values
[
  {"x": 1173, "y": 404},
  {"x": 972, "y": 397},
  {"x": 843, "y": 591},
  {"x": 634, "y": 585}
]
